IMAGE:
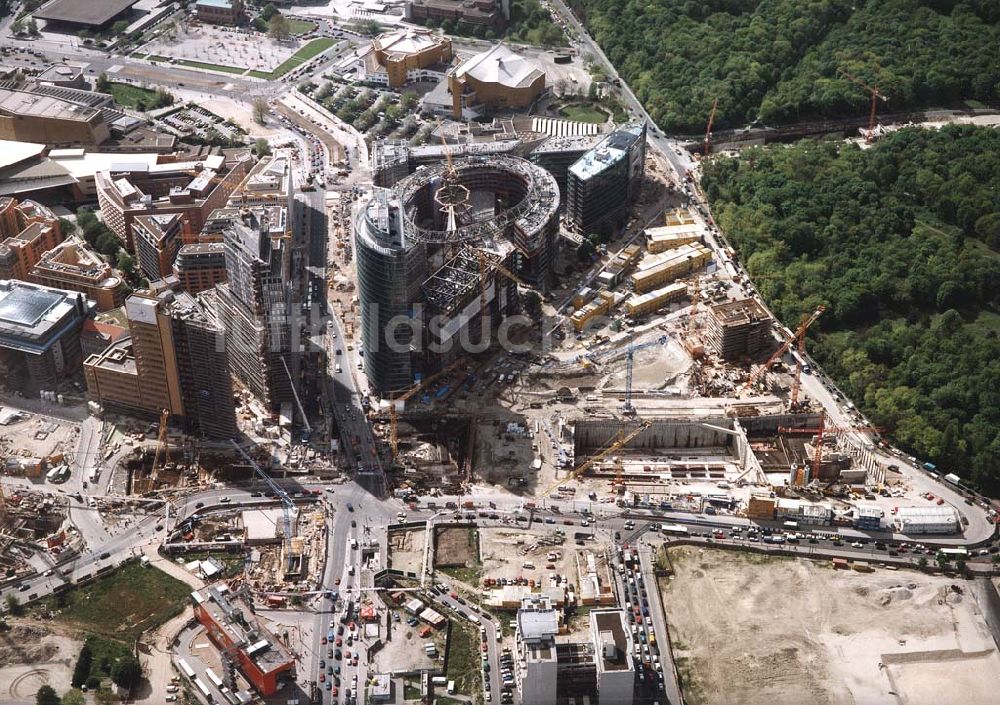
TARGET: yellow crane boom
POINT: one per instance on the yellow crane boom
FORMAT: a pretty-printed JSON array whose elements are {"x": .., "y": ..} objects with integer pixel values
[{"x": 622, "y": 439}]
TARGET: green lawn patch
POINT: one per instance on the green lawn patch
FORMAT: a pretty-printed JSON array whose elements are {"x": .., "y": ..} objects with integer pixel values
[
  {"x": 300, "y": 27},
  {"x": 463, "y": 658},
  {"x": 136, "y": 97},
  {"x": 212, "y": 67},
  {"x": 584, "y": 113},
  {"x": 470, "y": 576},
  {"x": 122, "y": 604},
  {"x": 310, "y": 50}
]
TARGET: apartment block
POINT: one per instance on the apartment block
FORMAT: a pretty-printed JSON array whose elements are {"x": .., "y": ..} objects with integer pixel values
[
  {"x": 27, "y": 231},
  {"x": 73, "y": 266},
  {"x": 200, "y": 266},
  {"x": 738, "y": 329},
  {"x": 157, "y": 239}
]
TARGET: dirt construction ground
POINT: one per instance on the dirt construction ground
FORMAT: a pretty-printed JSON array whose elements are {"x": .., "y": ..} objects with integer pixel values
[
  {"x": 31, "y": 656},
  {"x": 752, "y": 629}
]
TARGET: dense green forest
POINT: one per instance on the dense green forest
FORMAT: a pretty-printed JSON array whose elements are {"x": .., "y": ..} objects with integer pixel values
[
  {"x": 900, "y": 242},
  {"x": 781, "y": 60}
]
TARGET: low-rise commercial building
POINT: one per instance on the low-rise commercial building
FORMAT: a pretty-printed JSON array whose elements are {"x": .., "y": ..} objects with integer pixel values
[
  {"x": 71, "y": 265},
  {"x": 30, "y": 117},
  {"x": 234, "y": 629},
  {"x": 927, "y": 520},
  {"x": 656, "y": 270},
  {"x": 40, "y": 333},
  {"x": 652, "y": 301},
  {"x": 225, "y": 12}
]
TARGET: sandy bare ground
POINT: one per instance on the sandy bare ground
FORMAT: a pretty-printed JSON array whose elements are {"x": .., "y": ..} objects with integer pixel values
[
  {"x": 31, "y": 656},
  {"x": 756, "y": 629}
]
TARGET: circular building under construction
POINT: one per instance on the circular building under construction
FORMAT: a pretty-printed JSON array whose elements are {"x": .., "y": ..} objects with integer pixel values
[{"x": 446, "y": 249}]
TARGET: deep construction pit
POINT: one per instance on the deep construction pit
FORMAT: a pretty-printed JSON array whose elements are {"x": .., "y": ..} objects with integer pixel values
[{"x": 433, "y": 450}]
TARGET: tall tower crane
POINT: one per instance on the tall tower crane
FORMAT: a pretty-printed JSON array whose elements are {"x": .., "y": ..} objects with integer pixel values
[
  {"x": 451, "y": 196},
  {"x": 621, "y": 439},
  {"x": 876, "y": 95},
  {"x": 627, "y": 407},
  {"x": 799, "y": 333},
  {"x": 821, "y": 431},
  {"x": 708, "y": 130},
  {"x": 287, "y": 504}
]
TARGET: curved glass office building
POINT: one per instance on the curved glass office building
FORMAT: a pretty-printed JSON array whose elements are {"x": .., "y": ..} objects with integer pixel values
[{"x": 390, "y": 270}]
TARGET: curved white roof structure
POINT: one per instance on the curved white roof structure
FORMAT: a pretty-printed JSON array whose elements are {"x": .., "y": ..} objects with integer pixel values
[{"x": 501, "y": 65}]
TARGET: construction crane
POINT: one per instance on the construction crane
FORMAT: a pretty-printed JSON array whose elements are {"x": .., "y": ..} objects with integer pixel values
[
  {"x": 161, "y": 450},
  {"x": 689, "y": 344},
  {"x": 627, "y": 407},
  {"x": 401, "y": 399},
  {"x": 623, "y": 438},
  {"x": 295, "y": 394},
  {"x": 708, "y": 130},
  {"x": 451, "y": 196},
  {"x": 820, "y": 432},
  {"x": 287, "y": 504},
  {"x": 800, "y": 332},
  {"x": 876, "y": 95}
]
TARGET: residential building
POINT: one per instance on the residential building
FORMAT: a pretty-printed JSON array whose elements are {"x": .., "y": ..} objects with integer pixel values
[
  {"x": 738, "y": 329},
  {"x": 496, "y": 79},
  {"x": 193, "y": 188},
  {"x": 27, "y": 231},
  {"x": 656, "y": 270},
  {"x": 605, "y": 181},
  {"x": 40, "y": 333},
  {"x": 71, "y": 265},
  {"x": 200, "y": 266},
  {"x": 616, "y": 671},
  {"x": 157, "y": 239},
  {"x": 537, "y": 626},
  {"x": 226, "y": 12}
]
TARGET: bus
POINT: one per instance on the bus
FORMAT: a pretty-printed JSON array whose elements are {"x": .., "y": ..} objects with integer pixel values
[
  {"x": 675, "y": 529},
  {"x": 203, "y": 688},
  {"x": 959, "y": 552},
  {"x": 216, "y": 681},
  {"x": 185, "y": 668}
]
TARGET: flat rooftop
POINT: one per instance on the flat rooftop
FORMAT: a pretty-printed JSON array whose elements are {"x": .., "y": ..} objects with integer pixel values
[
  {"x": 609, "y": 627},
  {"x": 35, "y": 105},
  {"x": 91, "y": 12}
]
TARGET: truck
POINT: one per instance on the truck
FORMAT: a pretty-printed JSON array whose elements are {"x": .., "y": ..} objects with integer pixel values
[{"x": 952, "y": 478}]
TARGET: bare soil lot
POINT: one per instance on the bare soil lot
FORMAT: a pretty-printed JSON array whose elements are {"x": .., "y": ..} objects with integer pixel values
[
  {"x": 455, "y": 547},
  {"x": 752, "y": 629}
]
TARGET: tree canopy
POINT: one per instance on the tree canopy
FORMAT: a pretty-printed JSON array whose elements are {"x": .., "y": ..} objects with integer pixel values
[
  {"x": 783, "y": 60},
  {"x": 900, "y": 242}
]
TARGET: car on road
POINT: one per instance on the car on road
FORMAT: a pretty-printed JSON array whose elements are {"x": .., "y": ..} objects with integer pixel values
[{"x": 225, "y": 500}]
